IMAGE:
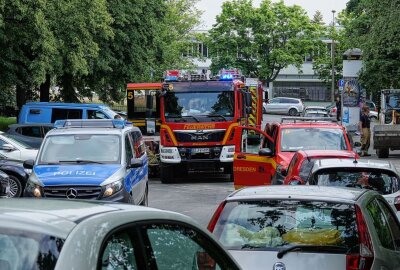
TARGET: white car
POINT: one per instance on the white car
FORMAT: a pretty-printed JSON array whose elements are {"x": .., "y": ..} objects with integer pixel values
[
  {"x": 283, "y": 105},
  {"x": 12, "y": 148},
  {"x": 308, "y": 227}
]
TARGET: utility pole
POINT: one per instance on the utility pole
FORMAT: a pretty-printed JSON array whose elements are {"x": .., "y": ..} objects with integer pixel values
[{"x": 333, "y": 57}]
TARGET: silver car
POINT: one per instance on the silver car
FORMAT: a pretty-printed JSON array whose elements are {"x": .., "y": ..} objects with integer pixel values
[
  {"x": 59, "y": 234},
  {"x": 283, "y": 105},
  {"x": 377, "y": 175},
  {"x": 308, "y": 227}
]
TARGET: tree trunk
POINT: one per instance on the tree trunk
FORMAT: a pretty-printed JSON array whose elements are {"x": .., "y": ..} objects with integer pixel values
[
  {"x": 21, "y": 98},
  {"x": 45, "y": 90},
  {"x": 68, "y": 91}
]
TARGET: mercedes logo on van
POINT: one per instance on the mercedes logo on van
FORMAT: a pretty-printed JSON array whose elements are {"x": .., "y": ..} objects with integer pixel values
[
  {"x": 279, "y": 266},
  {"x": 71, "y": 193}
]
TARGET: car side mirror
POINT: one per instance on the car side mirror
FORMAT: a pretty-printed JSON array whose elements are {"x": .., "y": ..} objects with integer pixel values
[
  {"x": 265, "y": 152},
  {"x": 136, "y": 163},
  {"x": 7, "y": 147},
  {"x": 28, "y": 164}
]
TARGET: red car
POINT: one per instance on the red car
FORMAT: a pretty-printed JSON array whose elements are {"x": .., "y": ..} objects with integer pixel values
[
  {"x": 262, "y": 163},
  {"x": 302, "y": 163}
]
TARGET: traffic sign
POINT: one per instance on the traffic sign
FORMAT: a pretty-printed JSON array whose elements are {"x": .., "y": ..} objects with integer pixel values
[
  {"x": 341, "y": 88},
  {"x": 341, "y": 83}
]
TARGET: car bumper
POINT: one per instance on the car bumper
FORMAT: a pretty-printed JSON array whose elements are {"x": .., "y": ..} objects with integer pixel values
[{"x": 205, "y": 165}]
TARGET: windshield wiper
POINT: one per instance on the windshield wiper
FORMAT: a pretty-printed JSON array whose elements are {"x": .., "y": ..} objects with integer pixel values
[
  {"x": 80, "y": 161},
  {"x": 218, "y": 115},
  {"x": 332, "y": 249}
]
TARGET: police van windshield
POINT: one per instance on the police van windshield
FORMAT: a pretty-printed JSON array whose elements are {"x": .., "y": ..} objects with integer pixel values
[
  {"x": 294, "y": 139},
  {"x": 81, "y": 148},
  {"x": 182, "y": 104}
]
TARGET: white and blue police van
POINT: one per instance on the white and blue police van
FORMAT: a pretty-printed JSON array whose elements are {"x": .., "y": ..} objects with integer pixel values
[{"x": 92, "y": 160}]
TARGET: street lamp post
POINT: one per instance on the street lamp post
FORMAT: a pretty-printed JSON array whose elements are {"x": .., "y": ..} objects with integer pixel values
[{"x": 333, "y": 57}]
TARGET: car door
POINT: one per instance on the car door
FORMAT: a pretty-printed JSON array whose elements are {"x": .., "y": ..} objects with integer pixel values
[
  {"x": 252, "y": 164},
  {"x": 164, "y": 246},
  {"x": 273, "y": 105},
  {"x": 138, "y": 176},
  {"x": 387, "y": 229}
]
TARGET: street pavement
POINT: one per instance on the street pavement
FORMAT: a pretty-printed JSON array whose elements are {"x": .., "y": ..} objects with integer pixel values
[{"x": 199, "y": 195}]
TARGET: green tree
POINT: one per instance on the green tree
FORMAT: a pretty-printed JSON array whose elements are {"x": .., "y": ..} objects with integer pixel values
[
  {"x": 318, "y": 18},
  {"x": 261, "y": 40}
]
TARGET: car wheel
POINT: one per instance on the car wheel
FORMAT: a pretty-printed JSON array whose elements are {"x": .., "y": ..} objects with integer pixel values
[
  {"x": 145, "y": 201},
  {"x": 382, "y": 153},
  {"x": 15, "y": 187},
  {"x": 293, "y": 112}
]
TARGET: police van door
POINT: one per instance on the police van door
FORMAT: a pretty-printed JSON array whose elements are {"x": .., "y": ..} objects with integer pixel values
[{"x": 253, "y": 165}]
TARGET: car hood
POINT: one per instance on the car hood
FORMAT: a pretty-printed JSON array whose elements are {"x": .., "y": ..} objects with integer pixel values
[
  {"x": 11, "y": 162},
  {"x": 91, "y": 174}
]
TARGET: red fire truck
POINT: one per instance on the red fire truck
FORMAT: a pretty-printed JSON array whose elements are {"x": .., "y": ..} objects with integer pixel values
[{"x": 198, "y": 118}]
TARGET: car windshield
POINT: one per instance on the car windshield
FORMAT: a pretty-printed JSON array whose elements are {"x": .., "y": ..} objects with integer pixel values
[
  {"x": 183, "y": 104},
  {"x": 15, "y": 140},
  {"x": 275, "y": 224},
  {"x": 25, "y": 250},
  {"x": 81, "y": 147},
  {"x": 382, "y": 181},
  {"x": 393, "y": 101},
  {"x": 312, "y": 139}
]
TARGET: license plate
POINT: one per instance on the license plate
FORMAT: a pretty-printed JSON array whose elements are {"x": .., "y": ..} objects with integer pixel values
[{"x": 200, "y": 150}]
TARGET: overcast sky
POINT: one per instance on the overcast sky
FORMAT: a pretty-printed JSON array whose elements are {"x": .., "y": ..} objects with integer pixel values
[{"x": 212, "y": 8}]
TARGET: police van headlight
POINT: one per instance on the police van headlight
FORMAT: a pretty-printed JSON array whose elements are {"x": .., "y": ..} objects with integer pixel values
[
  {"x": 113, "y": 188},
  {"x": 32, "y": 187}
]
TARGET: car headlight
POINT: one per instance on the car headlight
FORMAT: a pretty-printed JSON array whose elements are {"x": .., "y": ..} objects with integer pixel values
[
  {"x": 28, "y": 171},
  {"x": 113, "y": 188},
  {"x": 33, "y": 189}
]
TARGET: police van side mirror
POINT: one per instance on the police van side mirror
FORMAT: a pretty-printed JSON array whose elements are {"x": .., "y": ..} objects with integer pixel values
[
  {"x": 136, "y": 163},
  {"x": 265, "y": 152},
  {"x": 28, "y": 164}
]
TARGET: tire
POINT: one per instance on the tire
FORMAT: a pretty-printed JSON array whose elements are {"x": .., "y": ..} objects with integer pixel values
[
  {"x": 15, "y": 187},
  {"x": 293, "y": 112},
  {"x": 382, "y": 153},
  {"x": 166, "y": 174},
  {"x": 145, "y": 201}
]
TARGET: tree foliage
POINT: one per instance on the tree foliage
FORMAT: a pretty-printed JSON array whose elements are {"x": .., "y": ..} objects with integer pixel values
[
  {"x": 85, "y": 46},
  {"x": 374, "y": 28},
  {"x": 261, "y": 40}
]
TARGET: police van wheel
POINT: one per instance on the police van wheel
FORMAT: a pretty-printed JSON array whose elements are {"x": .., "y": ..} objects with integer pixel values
[
  {"x": 382, "y": 153},
  {"x": 166, "y": 174}
]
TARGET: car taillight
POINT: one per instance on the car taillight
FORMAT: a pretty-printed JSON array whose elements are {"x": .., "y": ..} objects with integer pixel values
[
  {"x": 397, "y": 203},
  {"x": 214, "y": 219},
  {"x": 364, "y": 259}
]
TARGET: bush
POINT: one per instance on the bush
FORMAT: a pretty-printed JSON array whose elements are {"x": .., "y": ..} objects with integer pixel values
[{"x": 5, "y": 121}]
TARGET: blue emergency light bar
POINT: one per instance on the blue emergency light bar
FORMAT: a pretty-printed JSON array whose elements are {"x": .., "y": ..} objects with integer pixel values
[
  {"x": 92, "y": 123},
  {"x": 171, "y": 78},
  {"x": 226, "y": 77}
]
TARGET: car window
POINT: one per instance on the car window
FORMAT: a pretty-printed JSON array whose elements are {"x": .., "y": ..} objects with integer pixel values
[
  {"x": 46, "y": 129},
  {"x": 25, "y": 250},
  {"x": 312, "y": 138},
  {"x": 61, "y": 114},
  {"x": 128, "y": 149},
  {"x": 381, "y": 225},
  {"x": 284, "y": 101},
  {"x": 380, "y": 181},
  {"x": 250, "y": 142},
  {"x": 93, "y": 114},
  {"x": 138, "y": 142},
  {"x": 276, "y": 224},
  {"x": 31, "y": 131},
  {"x": 178, "y": 247},
  {"x": 392, "y": 222},
  {"x": 292, "y": 164},
  {"x": 119, "y": 253},
  {"x": 275, "y": 100},
  {"x": 305, "y": 169}
]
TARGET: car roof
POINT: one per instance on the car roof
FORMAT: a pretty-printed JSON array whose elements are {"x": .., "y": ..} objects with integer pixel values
[
  {"x": 288, "y": 98},
  {"x": 59, "y": 217},
  {"x": 308, "y": 124},
  {"x": 301, "y": 192},
  {"x": 350, "y": 163},
  {"x": 326, "y": 153},
  {"x": 315, "y": 108},
  {"x": 61, "y": 104},
  {"x": 30, "y": 125}
]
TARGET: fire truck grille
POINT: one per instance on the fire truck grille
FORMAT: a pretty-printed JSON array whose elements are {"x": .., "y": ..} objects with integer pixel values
[
  {"x": 72, "y": 192},
  {"x": 203, "y": 136}
]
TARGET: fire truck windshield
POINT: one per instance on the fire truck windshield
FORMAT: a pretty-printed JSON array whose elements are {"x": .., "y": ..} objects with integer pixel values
[{"x": 199, "y": 104}]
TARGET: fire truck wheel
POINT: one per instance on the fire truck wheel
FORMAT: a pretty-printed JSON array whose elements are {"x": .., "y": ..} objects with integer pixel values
[
  {"x": 166, "y": 174},
  {"x": 382, "y": 153}
]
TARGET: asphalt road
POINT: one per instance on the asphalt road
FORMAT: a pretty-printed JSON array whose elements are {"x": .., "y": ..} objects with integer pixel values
[{"x": 200, "y": 195}]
